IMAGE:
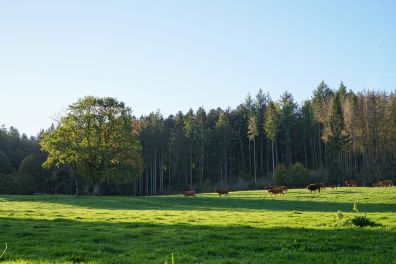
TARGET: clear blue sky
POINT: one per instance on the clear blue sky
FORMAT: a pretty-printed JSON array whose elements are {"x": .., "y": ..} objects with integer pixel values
[{"x": 173, "y": 55}]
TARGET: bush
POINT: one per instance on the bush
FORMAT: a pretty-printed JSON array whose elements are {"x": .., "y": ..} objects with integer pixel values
[
  {"x": 363, "y": 221},
  {"x": 280, "y": 177},
  {"x": 297, "y": 176}
]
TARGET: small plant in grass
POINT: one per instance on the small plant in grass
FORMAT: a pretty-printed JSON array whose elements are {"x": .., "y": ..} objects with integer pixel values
[
  {"x": 340, "y": 218},
  {"x": 340, "y": 215},
  {"x": 5, "y": 249},
  {"x": 363, "y": 221},
  {"x": 173, "y": 260}
]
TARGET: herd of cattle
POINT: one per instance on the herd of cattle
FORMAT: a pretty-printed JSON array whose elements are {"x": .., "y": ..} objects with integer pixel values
[{"x": 314, "y": 187}]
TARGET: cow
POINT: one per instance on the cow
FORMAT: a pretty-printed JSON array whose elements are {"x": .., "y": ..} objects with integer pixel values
[
  {"x": 386, "y": 183},
  {"x": 284, "y": 188},
  {"x": 314, "y": 187},
  {"x": 188, "y": 193},
  {"x": 350, "y": 183},
  {"x": 332, "y": 186},
  {"x": 275, "y": 191},
  {"x": 322, "y": 186},
  {"x": 221, "y": 191}
]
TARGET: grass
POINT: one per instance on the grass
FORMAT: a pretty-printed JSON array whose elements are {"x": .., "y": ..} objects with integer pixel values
[{"x": 247, "y": 227}]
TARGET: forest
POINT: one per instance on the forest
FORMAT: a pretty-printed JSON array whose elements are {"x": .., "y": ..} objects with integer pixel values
[{"x": 335, "y": 135}]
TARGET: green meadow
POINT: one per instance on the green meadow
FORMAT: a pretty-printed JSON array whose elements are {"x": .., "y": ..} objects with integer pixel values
[{"x": 246, "y": 227}]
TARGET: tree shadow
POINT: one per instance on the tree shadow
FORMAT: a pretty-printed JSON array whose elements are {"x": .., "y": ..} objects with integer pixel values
[
  {"x": 201, "y": 203},
  {"x": 65, "y": 240}
]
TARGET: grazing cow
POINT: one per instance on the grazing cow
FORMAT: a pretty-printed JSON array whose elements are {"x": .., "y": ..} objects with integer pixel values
[
  {"x": 188, "y": 193},
  {"x": 322, "y": 186},
  {"x": 221, "y": 191},
  {"x": 314, "y": 187},
  {"x": 275, "y": 191},
  {"x": 386, "y": 183},
  {"x": 332, "y": 186},
  {"x": 284, "y": 188},
  {"x": 351, "y": 183}
]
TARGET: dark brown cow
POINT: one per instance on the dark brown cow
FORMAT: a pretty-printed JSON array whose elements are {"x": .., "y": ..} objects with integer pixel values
[
  {"x": 386, "y": 183},
  {"x": 275, "y": 191},
  {"x": 188, "y": 193},
  {"x": 221, "y": 191},
  {"x": 332, "y": 186},
  {"x": 284, "y": 188},
  {"x": 314, "y": 187},
  {"x": 351, "y": 183},
  {"x": 322, "y": 186}
]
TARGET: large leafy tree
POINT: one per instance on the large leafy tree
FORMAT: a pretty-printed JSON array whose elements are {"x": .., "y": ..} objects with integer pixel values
[{"x": 96, "y": 137}]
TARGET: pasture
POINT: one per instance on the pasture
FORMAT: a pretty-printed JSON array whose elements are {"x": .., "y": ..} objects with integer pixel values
[{"x": 247, "y": 227}]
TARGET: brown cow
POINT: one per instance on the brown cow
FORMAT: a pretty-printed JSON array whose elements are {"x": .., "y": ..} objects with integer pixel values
[
  {"x": 221, "y": 191},
  {"x": 386, "y": 183},
  {"x": 314, "y": 187},
  {"x": 351, "y": 183},
  {"x": 322, "y": 186},
  {"x": 284, "y": 188},
  {"x": 332, "y": 186},
  {"x": 275, "y": 191},
  {"x": 188, "y": 193}
]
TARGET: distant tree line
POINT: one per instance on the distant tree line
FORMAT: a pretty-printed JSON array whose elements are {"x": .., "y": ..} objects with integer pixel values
[{"x": 334, "y": 136}]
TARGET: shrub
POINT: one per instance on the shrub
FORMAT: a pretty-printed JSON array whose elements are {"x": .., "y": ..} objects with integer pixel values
[
  {"x": 363, "y": 221},
  {"x": 280, "y": 177},
  {"x": 297, "y": 175}
]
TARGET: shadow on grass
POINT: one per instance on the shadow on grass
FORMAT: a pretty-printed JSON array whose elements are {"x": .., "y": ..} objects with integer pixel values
[
  {"x": 200, "y": 203},
  {"x": 63, "y": 240}
]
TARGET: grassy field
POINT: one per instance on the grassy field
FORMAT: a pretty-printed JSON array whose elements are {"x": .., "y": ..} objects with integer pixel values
[{"x": 247, "y": 227}]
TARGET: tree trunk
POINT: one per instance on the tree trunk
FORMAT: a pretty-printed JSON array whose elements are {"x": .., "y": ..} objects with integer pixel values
[
  {"x": 254, "y": 162},
  {"x": 273, "y": 159},
  {"x": 191, "y": 176},
  {"x": 261, "y": 155},
  {"x": 96, "y": 189},
  {"x": 250, "y": 162}
]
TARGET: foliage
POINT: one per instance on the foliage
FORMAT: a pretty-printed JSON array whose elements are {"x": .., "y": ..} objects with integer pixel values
[
  {"x": 362, "y": 221},
  {"x": 281, "y": 174},
  {"x": 295, "y": 176},
  {"x": 97, "y": 138},
  {"x": 339, "y": 133},
  {"x": 355, "y": 209}
]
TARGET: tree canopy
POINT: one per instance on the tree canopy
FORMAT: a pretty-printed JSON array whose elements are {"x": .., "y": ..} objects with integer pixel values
[{"x": 96, "y": 137}]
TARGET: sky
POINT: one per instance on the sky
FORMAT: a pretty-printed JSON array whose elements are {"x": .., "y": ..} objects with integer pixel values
[{"x": 177, "y": 55}]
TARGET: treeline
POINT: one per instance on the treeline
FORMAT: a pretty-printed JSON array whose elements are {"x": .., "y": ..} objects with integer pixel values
[{"x": 336, "y": 135}]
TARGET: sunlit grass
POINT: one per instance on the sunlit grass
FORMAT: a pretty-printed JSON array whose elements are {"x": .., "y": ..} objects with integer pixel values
[{"x": 243, "y": 228}]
